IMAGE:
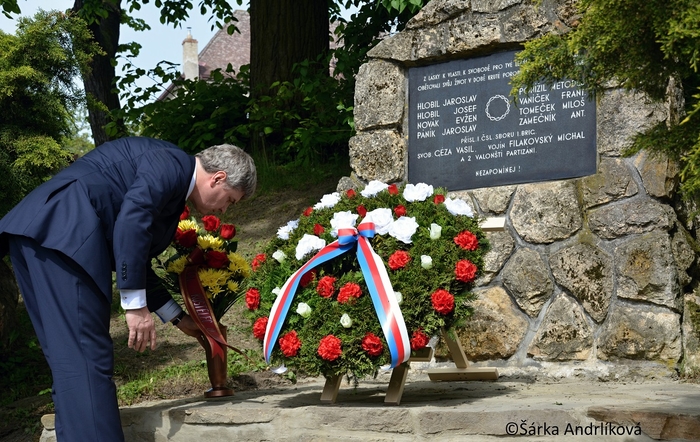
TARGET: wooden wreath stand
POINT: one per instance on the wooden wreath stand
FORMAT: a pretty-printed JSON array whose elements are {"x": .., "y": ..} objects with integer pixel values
[{"x": 461, "y": 371}]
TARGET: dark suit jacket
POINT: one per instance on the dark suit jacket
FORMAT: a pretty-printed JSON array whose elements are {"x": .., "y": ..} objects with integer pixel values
[{"x": 113, "y": 209}]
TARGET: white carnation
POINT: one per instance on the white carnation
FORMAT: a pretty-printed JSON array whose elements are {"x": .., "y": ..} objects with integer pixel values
[
  {"x": 458, "y": 207},
  {"x": 284, "y": 231},
  {"x": 382, "y": 219},
  {"x": 328, "y": 201},
  {"x": 307, "y": 244},
  {"x": 418, "y": 192},
  {"x": 403, "y": 229},
  {"x": 373, "y": 188}
]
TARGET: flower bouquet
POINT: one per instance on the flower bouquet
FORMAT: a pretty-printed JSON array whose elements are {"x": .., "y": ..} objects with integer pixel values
[
  {"x": 361, "y": 280},
  {"x": 202, "y": 265}
]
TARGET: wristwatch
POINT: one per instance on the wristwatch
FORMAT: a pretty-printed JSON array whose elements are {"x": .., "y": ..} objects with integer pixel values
[{"x": 178, "y": 318}]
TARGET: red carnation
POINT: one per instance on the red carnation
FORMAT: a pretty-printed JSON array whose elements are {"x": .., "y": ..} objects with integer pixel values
[
  {"x": 185, "y": 213},
  {"x": 361, "y": 210},
  {"x": 393, "y": 189},
  {"x": 467, "y": 240},
  {"x": 399, "y": 259},
  {"x": 308, "y": 210},
  {"x": 326, "y": 286},
  {"x": 211, "y": 223},
  {"x": 348, "y": 292},
  {"x": 257, "y": 261},
  {"x": 372, "y": 345},
  {"x": 329, "y": 348},
  {"x": 307, "y": 278},
  {"x": 252, "y": 299},
  {"x": 443, "y": 301},
  {"x": 439, "y": 199},
  {"x": 400, "y": 210},
  {"x": 216, "y": 259},
  {"x": 419, "y": 340},
  {"x": 188, "y": 238},
  {"x": 318, "y": 229},
  {"x": 351, "y": 193},
  {"x": 259, "y": 328},
  {"x": 228, "y": 231},
  {"x": 290, "y": 344},
  {"x": 465, "y": 270}
]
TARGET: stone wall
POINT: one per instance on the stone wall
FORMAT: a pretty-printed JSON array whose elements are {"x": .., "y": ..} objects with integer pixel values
[{"x": 590, "y": 275}]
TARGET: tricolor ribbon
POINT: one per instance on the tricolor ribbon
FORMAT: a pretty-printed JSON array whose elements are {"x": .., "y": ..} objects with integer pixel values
[
  {"x": 199, "y": 307},
  {"x": 376, "y": 277}
]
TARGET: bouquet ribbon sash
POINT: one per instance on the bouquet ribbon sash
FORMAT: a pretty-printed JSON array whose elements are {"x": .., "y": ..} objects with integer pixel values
[
  {"x": 376, "y": 278},
  {"x": 200, "y": 309}
]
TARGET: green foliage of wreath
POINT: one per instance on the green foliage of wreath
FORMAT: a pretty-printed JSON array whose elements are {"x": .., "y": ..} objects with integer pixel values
[{"x": 416, "y": 282}]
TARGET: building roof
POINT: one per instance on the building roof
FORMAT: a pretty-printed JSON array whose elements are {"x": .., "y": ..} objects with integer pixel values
[{"x": 223, "y": 48}]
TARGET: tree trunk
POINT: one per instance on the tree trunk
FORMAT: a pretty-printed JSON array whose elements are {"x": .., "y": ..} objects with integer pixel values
[
  {"x": 283, "y": 33},
  {"x": 99, "y": 82}
]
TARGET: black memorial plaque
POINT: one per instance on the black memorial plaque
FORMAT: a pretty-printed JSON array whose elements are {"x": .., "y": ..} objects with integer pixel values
[{"x": 466, "y": 131}]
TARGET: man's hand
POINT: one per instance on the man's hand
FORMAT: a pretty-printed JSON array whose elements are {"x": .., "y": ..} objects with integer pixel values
[
  {"x": 142, "y": 329},
  {"x": 188, "y": 327}
]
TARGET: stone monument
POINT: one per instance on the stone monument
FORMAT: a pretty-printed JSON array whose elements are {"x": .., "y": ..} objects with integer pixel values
[{"x": 592, "y": 276}]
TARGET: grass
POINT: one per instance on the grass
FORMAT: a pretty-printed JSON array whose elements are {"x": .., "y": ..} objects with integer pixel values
[{"x": 273, "y": 177}]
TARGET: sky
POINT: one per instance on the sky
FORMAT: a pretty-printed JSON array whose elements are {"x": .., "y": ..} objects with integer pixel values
[{"x": 162, "y": 42}]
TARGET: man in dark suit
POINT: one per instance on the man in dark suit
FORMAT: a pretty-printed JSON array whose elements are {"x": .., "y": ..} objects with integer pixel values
[{"x": 112, "y": 210}]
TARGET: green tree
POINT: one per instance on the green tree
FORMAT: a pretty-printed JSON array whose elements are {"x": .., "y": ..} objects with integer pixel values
[
  {"x": 38, "y": 97},
  {"x": 650, "y": 46}
]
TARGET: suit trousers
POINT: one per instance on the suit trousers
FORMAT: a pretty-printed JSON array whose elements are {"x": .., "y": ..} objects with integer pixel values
[{"x": 70, "y": 315}]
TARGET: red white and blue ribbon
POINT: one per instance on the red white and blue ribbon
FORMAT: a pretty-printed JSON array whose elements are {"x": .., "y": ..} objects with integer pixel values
[{"x": 376, "y": 278}]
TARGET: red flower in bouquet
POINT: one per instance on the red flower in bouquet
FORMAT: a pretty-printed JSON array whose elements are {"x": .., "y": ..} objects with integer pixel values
[
  {"x": 252, "y": 299},
  {"x": 185, "y": 213},
  {"x": 228, "y": 231},
  {"x": 329, "y": 348},
  {"x": 211, "y": 223},
  {"x": 348, "y": 292},
  {"x": 393, "y": 189},
  {"x": 318, "y": 229},
  {"x": 399, "y": 259},
  {"x": 418, "y": 339},
  {"x": 308, "y": 211},
  {"x": 439, "y": 199},
  {"x": 467, "y": 240},
  {"x": 372, "y": 345},
  {"x": 259, "y": 328},
  {"x": 361, "y": 210},
  {"x": 400, "y": 210},
  {"x": 187, "y": 239},
  {"x": 351, "y": 193},
  {"x": 290, "y": 344},
  {"x": 307, "y": 278},
  {"x": 326, "y": 286},
  {"x": 443, "y": 301},
  {"x": 216, "y": 259},
  {"x": 465, "y": 270},
  {"x": 258, "y": 261}
]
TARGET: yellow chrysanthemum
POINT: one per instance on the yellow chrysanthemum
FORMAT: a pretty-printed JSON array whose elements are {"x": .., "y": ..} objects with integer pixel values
[
  {"x": 210, "y": 242},
  {"x": 233, "y": 286},
  {"x": 238, "y": 265},
  {"x": 213, "y": 280},
  {"x": 177, "y": 265},
  {"x": 187, "y": 224}
]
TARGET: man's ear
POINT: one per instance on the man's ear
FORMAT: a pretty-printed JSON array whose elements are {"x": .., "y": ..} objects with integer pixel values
[{"x": 218, "y": 177}]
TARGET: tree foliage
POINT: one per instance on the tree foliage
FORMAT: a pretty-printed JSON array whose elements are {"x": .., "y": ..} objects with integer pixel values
[
  {"x": 38, "y": 97},
  {"x": 650, "y": 46}
]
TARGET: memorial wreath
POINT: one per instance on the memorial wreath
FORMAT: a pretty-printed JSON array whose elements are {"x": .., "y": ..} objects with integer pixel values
[{"x": 362, "y": 279}]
